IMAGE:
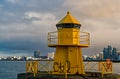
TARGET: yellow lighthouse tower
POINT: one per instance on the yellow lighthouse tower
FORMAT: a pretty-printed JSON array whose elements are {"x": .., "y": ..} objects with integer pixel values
[{"x": 68, "y": 41}]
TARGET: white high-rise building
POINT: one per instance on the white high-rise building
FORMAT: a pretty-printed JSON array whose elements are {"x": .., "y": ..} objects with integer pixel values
[
  {"x": 51, "y": 55},
  {"x": 101, "y": 55}
]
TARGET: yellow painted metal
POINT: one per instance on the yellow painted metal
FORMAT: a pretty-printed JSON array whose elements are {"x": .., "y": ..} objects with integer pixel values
[
  {"x": 106, "y": 68},
  {"x": 68, "y": 19},
  {"x": 68, "y": 36},
  {"x": 39, "y": 65},
  {"x": 68, "y": 43},
  {"x": 71, "y": 56},
  {"x": 32, "y": 67},
  {"x": 66, "y": 71}
]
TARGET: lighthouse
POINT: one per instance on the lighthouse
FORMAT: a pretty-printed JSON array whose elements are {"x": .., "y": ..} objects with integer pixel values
[{"x": 68, "y": 42}]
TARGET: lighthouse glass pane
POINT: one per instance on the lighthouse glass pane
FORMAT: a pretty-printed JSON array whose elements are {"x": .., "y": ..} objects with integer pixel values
[{"x": 68, "y": 26}]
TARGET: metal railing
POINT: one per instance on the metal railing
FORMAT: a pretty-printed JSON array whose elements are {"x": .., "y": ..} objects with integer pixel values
[
  {"x": 83, "y": 36},
  {"x": 38, "y": 66},
  {"x": 53, "y": 37},
  {"x": 47, "y": 66},
  {"x": 101, "y": 67}
]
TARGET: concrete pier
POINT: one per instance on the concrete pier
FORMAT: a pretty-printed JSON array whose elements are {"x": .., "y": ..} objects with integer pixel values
[{"x": 88, "y": 75}]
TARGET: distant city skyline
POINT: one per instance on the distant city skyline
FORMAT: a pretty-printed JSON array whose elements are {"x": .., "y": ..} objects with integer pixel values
[{"x": 24, "y": 24}]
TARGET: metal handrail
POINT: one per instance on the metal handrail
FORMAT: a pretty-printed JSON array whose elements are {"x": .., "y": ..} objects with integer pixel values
[{"x": 84, "y": 38}]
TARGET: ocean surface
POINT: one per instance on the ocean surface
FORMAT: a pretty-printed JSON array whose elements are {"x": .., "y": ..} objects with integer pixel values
[{"x": 10, "y": 69}]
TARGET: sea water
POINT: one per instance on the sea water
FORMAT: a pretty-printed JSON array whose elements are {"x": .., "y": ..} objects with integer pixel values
[{"x": 10, "y": 69}]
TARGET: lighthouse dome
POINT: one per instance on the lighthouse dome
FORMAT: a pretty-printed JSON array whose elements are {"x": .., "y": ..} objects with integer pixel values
[{"x": 68, "y": 22}]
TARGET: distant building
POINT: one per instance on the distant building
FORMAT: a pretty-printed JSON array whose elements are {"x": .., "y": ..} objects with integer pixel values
[
  {"x": 110, "y": 53},
  {"x": 51, "y": 55},
  {"x": 29, "y": 58},
  {"x": 43, "y": 57},
  {"x": 118, "y": 55},
  {"x": 37, "y": 54},
  {"x": 84, "y": 57},
  {"x": 23, "y": 58},
  {"x": 101, "y": 55}
]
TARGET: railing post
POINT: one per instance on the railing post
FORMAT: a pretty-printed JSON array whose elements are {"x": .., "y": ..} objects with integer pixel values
[
  {"x": 98, "y": 66},
  {"x": 26, "y": 66},
  {"x": 102, "y": 69},
  {"x": 66, "y": 70},
  {"x": 32, "y": 67}
]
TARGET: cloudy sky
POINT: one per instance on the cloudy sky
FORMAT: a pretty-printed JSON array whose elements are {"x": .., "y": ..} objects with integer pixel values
[{"x": 24, "y": 24}]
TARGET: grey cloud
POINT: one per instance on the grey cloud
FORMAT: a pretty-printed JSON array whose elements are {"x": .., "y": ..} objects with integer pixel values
[
  {"x": 11, "y": 13},
  {"x": 12, "y": 1},
  {"x": 24, "y": 25}
]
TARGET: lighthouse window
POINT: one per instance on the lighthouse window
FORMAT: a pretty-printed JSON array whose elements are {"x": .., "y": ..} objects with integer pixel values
[
  {"x": 76, "y": 26},
  {"x": 59, "y": 26},
  {"x": 68, "y": 26}
]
